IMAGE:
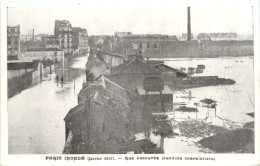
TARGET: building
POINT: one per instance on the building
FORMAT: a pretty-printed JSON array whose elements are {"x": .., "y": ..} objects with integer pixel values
[
  {"x": 106, "y": 117},
  {"x": 79, "y": 40},
  {"x": 13, "y": 42},
  {"x": 217, "y": 36},
  {"x": 63, "y": 35},
  {"x": 111, "y": 60},
  {"x": 184, "y": 36},
  {"x": 167, "y": 70},
  {"x": 44, "y": 53},
  {"x": 145, "y": 44},
  {"x": 25, "y": 38},
  {"x": 121, "y": 34},
  {"x": 51, "y": 42}
]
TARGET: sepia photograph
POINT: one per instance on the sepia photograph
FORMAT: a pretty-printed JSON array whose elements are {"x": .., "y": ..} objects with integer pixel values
[{"x": 130, "y": 79}]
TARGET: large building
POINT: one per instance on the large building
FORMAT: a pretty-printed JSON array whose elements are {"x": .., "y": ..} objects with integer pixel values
[
  {"x": 79, "y": 40},
  {"x": 44, "y": 53},
  {"x": 25, "y": 38},
  {"x": 217, "y": 36},
  {"x": 63, "y": 34},
  {"x": 13, "y": 42}
]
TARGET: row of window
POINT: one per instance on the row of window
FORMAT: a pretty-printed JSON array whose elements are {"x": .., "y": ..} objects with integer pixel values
[
  {"x": 145, "y": 45},
  {"x": 13, "y": 30},
  {"x": 16, "y": 48},
  {"x": 12, "y": 53}
]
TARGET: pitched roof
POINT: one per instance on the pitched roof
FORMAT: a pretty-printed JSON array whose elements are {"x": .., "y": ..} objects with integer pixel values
[
  {"x": 104, "y": 81},
  {"x": 135, "y": 66},
  {"x": 111, "y": 54},
  {"x": 174, "y": 69},
  {"x": 154, "y": 62}
]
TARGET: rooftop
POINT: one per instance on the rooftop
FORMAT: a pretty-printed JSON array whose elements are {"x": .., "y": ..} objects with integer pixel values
[{"x": 42, "y": 49}]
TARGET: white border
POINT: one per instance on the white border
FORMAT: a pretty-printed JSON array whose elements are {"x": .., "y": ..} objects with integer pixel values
[{"x": 221, "y": 159}]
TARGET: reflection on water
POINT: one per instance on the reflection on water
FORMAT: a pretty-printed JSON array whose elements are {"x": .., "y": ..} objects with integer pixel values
[
  {"x": 35, "y": 116},
  {"x": 233, "y": 101}
]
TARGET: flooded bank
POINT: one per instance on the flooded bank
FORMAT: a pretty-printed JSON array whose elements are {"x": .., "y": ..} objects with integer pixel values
[
  {"x": 38, "y": 127},
  {"x": 35, "y": 116}
]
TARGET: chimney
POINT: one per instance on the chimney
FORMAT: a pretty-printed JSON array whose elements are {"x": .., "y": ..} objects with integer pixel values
[
  {"x": 189, "y": 26},
  {"x": 32, "y": 34}
]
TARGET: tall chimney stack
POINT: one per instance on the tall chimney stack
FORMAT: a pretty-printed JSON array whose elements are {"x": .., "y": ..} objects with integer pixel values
[
  {"x": 32, "y": 34},
  {"x": 189, "y": 26}
]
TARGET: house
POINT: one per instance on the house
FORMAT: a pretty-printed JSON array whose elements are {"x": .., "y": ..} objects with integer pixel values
[
  {"x": 63, "y": 34},
  {"x": 111, "y": 59},
  {"x": 44, "y": 53},
  {"x": 105, "y": 118},
  {"x": 13, "y": 42},
  {"x": 79, "y": 40},
  {"x": 167, "y": 69}
]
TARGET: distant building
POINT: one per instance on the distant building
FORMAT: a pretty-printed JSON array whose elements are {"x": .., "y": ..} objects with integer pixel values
[
  {"x": 111, "y": 60},
  {"x": 145, "y": 44},
  {"x": 217, "y": 36},
  {"x": 25, "y": 38},
  {"x": 44, "y": 53},
  {"x": 63, "y": 34},
  {"x": 79, "y": 40},
  {"x": 51, "y": 42},
  {"x": 121, "y": 34},
  {"x": 44, "y": 38},
  {"x": 184, "y": 36},
  {"x": 13, "y": 42}
]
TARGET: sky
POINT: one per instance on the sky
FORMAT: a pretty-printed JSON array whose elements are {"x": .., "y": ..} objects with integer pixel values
[{"x": 139, "y": 19}]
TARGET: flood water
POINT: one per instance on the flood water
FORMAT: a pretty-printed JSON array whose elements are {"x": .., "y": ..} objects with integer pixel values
[
  {"x": 35, "y": 116},
  {"x": 233, "y": 101}
]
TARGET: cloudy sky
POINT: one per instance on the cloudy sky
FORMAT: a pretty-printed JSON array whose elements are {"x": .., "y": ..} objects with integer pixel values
[{"x": 166, "y": 18}]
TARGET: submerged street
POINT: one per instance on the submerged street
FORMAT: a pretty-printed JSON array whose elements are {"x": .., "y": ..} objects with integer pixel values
[{"x": 36, "y": 124}]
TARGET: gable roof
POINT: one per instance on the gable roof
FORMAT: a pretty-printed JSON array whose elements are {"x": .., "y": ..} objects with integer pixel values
[
  {"x": 135, "y": 66},
  {"x": 154, "y": 62},
  {"x": 174, "y": 69},
  {"x": 103, "y": 82}
]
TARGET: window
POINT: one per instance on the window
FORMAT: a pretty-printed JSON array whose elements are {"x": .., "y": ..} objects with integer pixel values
[
  {"x": 155, "y": 45},
  {"x": 141, "y": 45},
  {"x": 148, "y": 45}
]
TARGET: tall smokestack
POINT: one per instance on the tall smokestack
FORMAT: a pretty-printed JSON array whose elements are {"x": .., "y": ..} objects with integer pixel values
[
  {"x": 189, "y": 26},
  {"x": 32, "y": 34}
]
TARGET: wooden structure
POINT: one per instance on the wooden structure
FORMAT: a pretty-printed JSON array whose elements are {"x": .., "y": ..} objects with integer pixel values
[{"x": 153, "y": 84}]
